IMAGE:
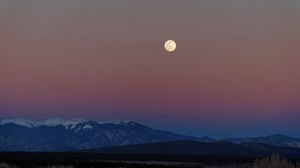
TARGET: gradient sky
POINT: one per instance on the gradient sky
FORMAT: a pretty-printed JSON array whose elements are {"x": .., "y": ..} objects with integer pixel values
[{"x": 235, "y": 72}]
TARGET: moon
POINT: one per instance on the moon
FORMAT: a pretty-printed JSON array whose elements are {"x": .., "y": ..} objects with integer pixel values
[{"x": 170, "y": 45}]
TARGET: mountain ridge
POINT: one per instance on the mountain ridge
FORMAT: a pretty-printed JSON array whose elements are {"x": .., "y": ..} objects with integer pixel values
[
  {"x": 58, "y": 134},
  {"x": 74, "y": 134},
  {"x": 275, "y": 140},
  {"x": 189, "y": 147},
  {"x": 54, "y": 122}
]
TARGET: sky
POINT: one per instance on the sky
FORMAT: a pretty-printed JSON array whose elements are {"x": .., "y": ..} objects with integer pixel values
[{"x": 235, "y": 71}]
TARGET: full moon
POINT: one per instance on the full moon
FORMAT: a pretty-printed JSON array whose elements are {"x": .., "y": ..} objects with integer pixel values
[{"x": 170, "y": 45}]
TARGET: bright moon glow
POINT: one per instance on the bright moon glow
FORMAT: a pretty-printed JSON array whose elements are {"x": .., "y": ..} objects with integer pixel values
[{"x": 170, "y": 45}]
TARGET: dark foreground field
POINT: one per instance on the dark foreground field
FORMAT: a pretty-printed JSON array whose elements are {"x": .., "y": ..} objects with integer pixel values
[{"x": 93, "y": 160}]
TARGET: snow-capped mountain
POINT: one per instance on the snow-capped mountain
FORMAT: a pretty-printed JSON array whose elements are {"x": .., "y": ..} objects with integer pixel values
[
  {"x": 73, "y": 134},
  {"x": 67, "y": 123}
]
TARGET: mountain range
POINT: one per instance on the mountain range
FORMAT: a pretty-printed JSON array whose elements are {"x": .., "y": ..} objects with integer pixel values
[
  {"x": 275, "y": 140},
  {"x": 75, "y": 134},
  {"x": 79, "y": 134}
]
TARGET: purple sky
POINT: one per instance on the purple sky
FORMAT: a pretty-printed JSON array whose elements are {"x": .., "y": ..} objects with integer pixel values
[{"x": 235, "y": 72}]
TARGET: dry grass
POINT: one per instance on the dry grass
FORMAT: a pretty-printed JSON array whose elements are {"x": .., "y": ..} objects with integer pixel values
[
  {"x": 274, "y": 162},
  {"x": 58, "y": 166},
  {"x": 5, "y": 165}
]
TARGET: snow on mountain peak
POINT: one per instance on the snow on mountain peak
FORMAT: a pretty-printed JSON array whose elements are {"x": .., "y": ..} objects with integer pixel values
[
  {"x": 67, "y": 123},
  {"x": 117, "y": 122},
  {"x": 17, "y": 121}
]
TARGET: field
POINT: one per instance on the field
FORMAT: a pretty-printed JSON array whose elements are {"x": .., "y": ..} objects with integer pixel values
[{"x": 92, "y": 160}]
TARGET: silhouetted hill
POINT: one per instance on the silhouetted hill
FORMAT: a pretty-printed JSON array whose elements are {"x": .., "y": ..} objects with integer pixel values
[{"x": 220, "y": 148}]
